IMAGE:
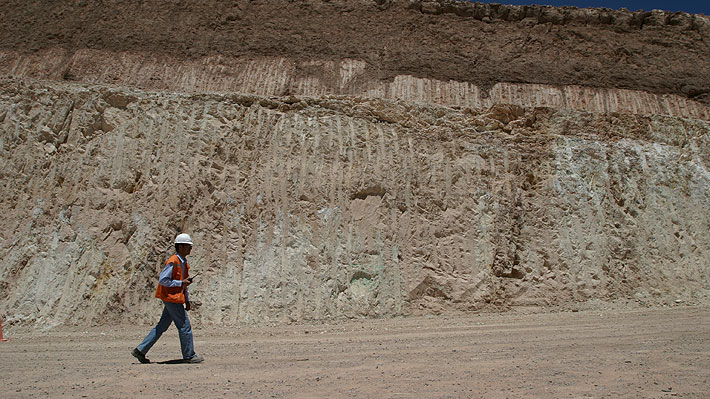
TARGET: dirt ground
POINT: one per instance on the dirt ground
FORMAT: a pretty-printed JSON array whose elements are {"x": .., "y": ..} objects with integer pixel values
[{"x": 657, "y": 353}]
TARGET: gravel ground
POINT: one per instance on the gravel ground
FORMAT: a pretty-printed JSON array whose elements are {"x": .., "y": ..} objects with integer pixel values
[{"x": 657, "y": 353}]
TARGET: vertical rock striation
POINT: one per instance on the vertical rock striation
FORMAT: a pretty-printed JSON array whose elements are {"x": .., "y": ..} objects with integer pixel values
[{"x": 309, "y": 208}]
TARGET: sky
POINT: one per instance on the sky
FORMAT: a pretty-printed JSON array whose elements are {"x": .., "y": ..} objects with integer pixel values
[{"x": 693, "y": 7}]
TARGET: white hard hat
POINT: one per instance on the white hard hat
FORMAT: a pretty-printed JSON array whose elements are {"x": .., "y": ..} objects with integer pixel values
[{"x": 183, "y": 239}]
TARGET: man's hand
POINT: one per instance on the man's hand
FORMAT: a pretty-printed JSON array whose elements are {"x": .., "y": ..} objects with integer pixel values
[
  {"x": 187, "y": 281},
  {"x": 187, "y": 305}
]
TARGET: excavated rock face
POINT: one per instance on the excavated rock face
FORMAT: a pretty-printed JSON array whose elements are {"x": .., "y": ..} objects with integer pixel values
[
  {"x": 311, "y": 208},
  {"x": 347, "y": 185}
]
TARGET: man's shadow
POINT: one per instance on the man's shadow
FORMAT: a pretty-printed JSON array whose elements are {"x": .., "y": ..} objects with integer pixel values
[{"x": 174, "y": 361}]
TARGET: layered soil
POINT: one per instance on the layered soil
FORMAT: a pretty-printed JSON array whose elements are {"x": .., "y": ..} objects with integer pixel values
[{"x": 480, "y": 44}]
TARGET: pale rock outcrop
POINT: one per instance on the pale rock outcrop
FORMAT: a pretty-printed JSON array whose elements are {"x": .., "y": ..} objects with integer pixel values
[{"x": 308, "y": 208}]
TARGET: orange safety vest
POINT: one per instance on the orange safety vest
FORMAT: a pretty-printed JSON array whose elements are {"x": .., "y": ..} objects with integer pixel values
[{"x": 174, "y": 294}]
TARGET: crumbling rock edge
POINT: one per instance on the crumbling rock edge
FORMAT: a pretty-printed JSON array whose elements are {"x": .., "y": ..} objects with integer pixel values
[{"x": 541, "y": 14}]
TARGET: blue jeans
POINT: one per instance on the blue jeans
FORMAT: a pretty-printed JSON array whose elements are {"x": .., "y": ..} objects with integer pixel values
[{"x": 172, "y": 313}]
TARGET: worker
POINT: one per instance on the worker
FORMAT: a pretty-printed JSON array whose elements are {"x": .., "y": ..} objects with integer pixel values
[{"x": 172, "y": 290}]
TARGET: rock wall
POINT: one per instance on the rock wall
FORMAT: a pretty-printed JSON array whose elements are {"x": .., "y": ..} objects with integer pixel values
[
  {"x": 306, "y": 208},
  {"x": 339, "y": 159}
]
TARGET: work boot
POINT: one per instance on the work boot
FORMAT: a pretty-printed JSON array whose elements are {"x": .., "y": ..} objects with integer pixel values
[
  {"x": 140, "y": 356},
  {"x": 194, "y": 359}
]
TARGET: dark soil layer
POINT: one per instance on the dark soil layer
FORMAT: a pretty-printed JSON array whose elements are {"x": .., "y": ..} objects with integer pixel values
[{"x": 482, "y": 44}]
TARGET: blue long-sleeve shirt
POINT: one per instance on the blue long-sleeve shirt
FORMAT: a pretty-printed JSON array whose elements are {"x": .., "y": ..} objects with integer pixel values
[{"x": 166, "y": 277}]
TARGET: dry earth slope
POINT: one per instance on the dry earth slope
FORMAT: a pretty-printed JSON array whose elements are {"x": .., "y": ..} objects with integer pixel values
[{"x": 350, "y": 159}]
